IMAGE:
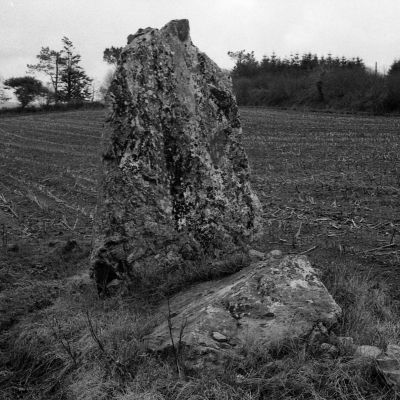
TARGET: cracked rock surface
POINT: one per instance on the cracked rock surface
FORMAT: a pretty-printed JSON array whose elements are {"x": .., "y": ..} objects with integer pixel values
[
  {"x": 270, "y": 301},
  {"x": 175, "y": 186},
  {"x": 388, "y": 365}
]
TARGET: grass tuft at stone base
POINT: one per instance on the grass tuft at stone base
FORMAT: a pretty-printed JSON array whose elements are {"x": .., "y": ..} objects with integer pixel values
[{"x": 53, "y": 354}]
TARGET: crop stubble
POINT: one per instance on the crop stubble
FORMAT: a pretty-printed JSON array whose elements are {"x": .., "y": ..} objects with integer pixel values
[
  {"x": 48, "y": 174},
  {"x": 329, "y": 185}
]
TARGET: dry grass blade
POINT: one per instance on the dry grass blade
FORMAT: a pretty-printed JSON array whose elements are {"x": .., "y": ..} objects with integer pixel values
[
  {"x": 336, "y": 175},
  {"x": 9, "y": 206}
]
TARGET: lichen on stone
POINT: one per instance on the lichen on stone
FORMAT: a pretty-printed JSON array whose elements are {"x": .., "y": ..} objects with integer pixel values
[{"x": 175, "y": 193}]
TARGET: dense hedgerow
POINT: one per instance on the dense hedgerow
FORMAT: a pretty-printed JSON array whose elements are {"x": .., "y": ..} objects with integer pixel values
[
  {"x": 77, "y": 105},
  {"x": 316, "y": 82}
]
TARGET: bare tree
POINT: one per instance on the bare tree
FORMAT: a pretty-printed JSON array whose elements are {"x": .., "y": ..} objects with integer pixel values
[{"x": 50, "y": 62}]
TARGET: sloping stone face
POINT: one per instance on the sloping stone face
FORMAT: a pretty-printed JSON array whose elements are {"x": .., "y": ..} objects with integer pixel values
[
  {"x": 175, "y": 190},
  {"x": 269, "y": 302}
]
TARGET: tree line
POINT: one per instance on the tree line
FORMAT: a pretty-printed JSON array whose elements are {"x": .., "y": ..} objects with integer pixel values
[
  {"x": 314, "y": 81},
  {"x": 69, "y": 83},
  {"x": 299, "y": 80},
  {"x": 308, "y": 80}
]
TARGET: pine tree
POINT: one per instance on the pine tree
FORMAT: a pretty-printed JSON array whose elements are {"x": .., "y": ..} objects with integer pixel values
[
  {"x": 394, "y": 68},
  {"x": 69, "y": 80},
  {"x": 75, "y": 84}
]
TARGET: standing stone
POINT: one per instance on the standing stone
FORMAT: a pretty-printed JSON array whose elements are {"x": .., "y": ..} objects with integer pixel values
[{"x": 175, "y": 203}]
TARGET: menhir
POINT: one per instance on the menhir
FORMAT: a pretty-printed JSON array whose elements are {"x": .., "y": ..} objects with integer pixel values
[{"x": 175, "y": 203}]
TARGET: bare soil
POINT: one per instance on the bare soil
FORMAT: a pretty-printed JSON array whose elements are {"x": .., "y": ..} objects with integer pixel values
[
  {"x": 329, "y": 186},
  {"x": 48, "y": 174}
]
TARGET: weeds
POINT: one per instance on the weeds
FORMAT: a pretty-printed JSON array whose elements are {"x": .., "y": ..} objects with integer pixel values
[
  {"x": 370, "y": 315},
  {"x": 64, "y": 342},
  {"x": 119, "y": 367},
  {"x": 4, "y": 236},
  {"x": 113, "y": 362},
  {"x": 177, "y": 348},
  {"x": 328, "y": 186},
  {"x": 8, "y": 205}
]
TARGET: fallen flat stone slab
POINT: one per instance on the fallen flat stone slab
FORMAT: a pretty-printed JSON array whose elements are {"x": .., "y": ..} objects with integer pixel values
[
  {"x": 270, "y": 301},
  {"x": 367, "y": 351}
]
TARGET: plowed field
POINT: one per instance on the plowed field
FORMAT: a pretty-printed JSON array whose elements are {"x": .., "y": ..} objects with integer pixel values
[{"x": 329, "y": 186}]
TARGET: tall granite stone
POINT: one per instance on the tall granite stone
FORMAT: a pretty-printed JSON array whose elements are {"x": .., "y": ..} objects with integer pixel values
[{"x": 175, "y": 202}]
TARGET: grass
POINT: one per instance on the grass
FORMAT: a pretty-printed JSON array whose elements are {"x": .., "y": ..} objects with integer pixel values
[
  {"x": 46, "y": 367},
  {"x": 328, "y": 185}
]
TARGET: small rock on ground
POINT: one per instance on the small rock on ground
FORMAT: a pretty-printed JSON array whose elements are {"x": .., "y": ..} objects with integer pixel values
[
  {"x": 345, "y": 341},
  {"x": 256, "y": 255},
  {"x": 367, "y": 351},
  {"x": 329, "y": 349},
  {"x": 275, "y": 254},
  {"x": 219, "y": 337},
  {"x": 13, "y": 247}
]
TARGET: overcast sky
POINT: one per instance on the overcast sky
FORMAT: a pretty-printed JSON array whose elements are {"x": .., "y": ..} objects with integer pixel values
[{"x": 366, "y": 28}]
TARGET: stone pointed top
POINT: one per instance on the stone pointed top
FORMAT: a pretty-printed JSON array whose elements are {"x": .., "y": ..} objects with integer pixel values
[{"x": 179, "y": 28}]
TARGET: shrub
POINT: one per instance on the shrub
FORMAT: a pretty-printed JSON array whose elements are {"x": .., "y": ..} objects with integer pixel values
[
  {"x": 26, "y": 89},
  {"x": 310, "y": 81}
]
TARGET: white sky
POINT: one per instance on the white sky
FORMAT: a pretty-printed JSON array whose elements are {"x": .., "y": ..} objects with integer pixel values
[{"x": 365, "y": 28}]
